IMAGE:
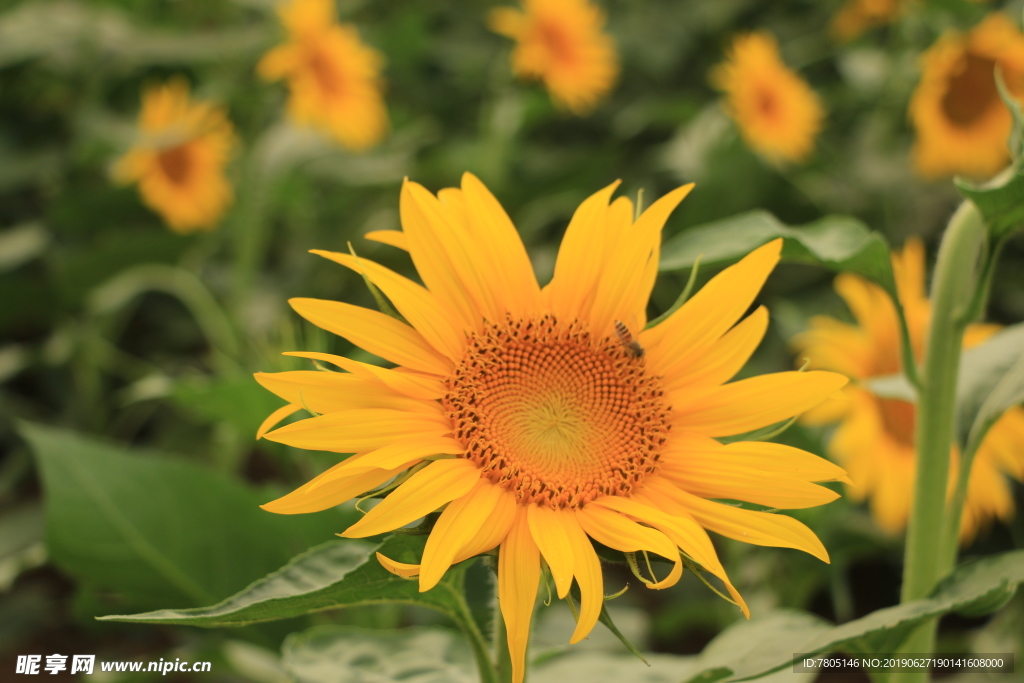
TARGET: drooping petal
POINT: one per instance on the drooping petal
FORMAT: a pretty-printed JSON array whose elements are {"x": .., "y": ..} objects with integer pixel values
[
  {"x": 330, "y": 392},
  {"x": 549, "y": 533},
  {"x": 311, "y": 497},
  {"x": 587, "y": 570},
  {"x": 698, "y": 324},
  {"x": 518, "y": 580},
  {"x": 456, "y": 527},
  {"x": 377, "y": 333},
  {"x": 406, "y": 571},
  {"x": 619, "y": 289},
  {"x": 749, "y": 526},
  {"x": 436, "y": 484},
  {"x": 405, "y": 383},
  {"x": 621, "y": 533},
  {"x": 431, "y": 318},
  {"x": 752, "y": 403},
  {"x": 357, "y": 431}
]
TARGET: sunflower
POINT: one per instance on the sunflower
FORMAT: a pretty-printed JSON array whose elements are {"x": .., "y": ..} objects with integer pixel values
[
  {"x": 561, "y": 42},
  {"x": 179, "y": 158},
  {"x": 333, "y": 78},
  {"x": 857, "y": 16},
  {"x": 962, "y": 123},
  {"x": 777, "y": 112},
  {"x": 875, "y": 437},
  {"x": 532, "y": 422}
]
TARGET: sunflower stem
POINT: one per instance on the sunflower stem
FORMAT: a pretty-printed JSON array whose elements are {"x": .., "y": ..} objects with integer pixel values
[{"x": 956, "y": 278}]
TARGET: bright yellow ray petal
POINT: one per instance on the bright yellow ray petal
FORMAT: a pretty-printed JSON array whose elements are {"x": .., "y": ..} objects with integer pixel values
[
  {"x": 329, "y": 392},
  {"x": 723, "y": 360},
  {"x": 394, "y": 238},
  {"x": 379, "y": 334},
  {"x": 619, "y": 288},
  {"x": 580, "y": 257},
  {"x": 414, "y": 386},
  {"x": 709, "y": 313},
  {"x": 275, "y": 417},
  {"x": 749, "y": 526},
  {"x": 555, "y": 546},
  {"x": 587, "y": 570},
  {"x": 424, "y": 492},
  {"x": 456, "y": 526},
  {"x": 356, "y": 431},
  {"x": 423, "y": 310},
  {"x": 307, "y": 499},
  {"x": 518, "y": 580},
  {"x": 395, "y": 455},
  {"x": 494, "y": 531},
  {"x": 444, "y": 256},
  {"x": 752, "y": 403},
  {"x": 406, "y": 571},
  {"x": 507, "y": 260},
  {"x": 616, "y": 531}
]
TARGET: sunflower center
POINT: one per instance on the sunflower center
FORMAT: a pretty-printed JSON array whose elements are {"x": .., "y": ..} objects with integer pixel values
[
  {"x": 898, "y": 418},
  {"x": 326, "y": 74},
  {"x": 972, "y": 91},
  {"x": 767, "y": 103},
  {"x": 555, "y": 416},
  {"x": 556, "y": 41},
  {"x": 176, "y": 163}
]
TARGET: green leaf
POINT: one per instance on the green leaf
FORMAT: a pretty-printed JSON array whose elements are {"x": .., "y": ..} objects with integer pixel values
[
  {"x": 347, "y": 654},
  {"x": 334, "y": 574},
  {"x": 156, "y": 529},
  {"x": 991, "y": 381},
  {"x": 239, "y": 401},
  {"x": 841, "y": 243},
  {"x": 755, "y": 648},
  {"x": 1000, "y": 200}
]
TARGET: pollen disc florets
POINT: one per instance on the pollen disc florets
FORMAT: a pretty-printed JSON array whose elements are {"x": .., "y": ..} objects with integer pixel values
[{"x": 554, "y": 415}]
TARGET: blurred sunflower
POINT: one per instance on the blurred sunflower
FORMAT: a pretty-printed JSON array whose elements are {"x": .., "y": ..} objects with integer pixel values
[
  {"x": 532, "y": 423},
  {"x": 561, "y": 42},
  {"x": 875, "y": 437},
  {"x": 777, "y": 112},
  {"x": 179, "y": 157},
  {"x": 962, "y": 124},
  {"x": 333, "y": 78},
  {"x": 857, "y": 16}
]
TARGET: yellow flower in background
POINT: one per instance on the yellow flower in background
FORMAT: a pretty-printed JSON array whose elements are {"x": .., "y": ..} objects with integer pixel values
[
  {"x": 333, "y": 78},
  {"x": 778, "y": 114},
  {"x": 540, "y": 419},
  {"x": 962, "y": 125},
  {"x": 857, "y": 16},
  {"x": 179, "y": 158},
  {"x": 875, "y": 437},
  {"x": 561, "y": 42}
]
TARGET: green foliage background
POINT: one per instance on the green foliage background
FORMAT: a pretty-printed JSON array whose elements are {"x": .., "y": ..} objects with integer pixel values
[{"x": 129, "y": 349}]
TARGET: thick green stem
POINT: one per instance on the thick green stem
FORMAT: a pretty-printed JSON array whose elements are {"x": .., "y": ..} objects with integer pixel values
[
  {"x": 954, "y": 283},
  {"x": 481, "y": 651}
]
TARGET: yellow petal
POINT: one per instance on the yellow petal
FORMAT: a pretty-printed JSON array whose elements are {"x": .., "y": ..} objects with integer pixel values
[
  {"x": 304, "y": 499},
  {"x": 619, "y": 289},
  {"x": 506, "y": 260},
  {"x": 275, "y": 417},
  {"x": 587, "y": 570},
  {"x": 749, "y": 526},
  {"x": 406, "y": 571},
  {"x": 422, "y": 309},
  {"x": 456, "y": 527},
  {"x": 723, "y": 360},
  {"x": 414, "y": 386},
  {"x": 699, "y": 323},
  {"x": 395, "y": 455},
  {"x": 379, "y": 334},
  {"x": 356, "y": 431},
  {"x": 330, "y": 392},
  {"x": 550, "y": 536},
  {"x": 394, "y": 238},
  {"x": 616, "y": 531},
  {"x": 494, "y": 531},
  {"x": 424, "y": 492},
  {"x": 518, "y": 580},
  {"x": 753, "y": 403},
  {"x": 580, "y": 257}
]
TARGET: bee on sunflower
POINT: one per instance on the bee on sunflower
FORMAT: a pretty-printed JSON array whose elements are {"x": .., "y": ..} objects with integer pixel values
[{"x": 521, "y": 413}]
